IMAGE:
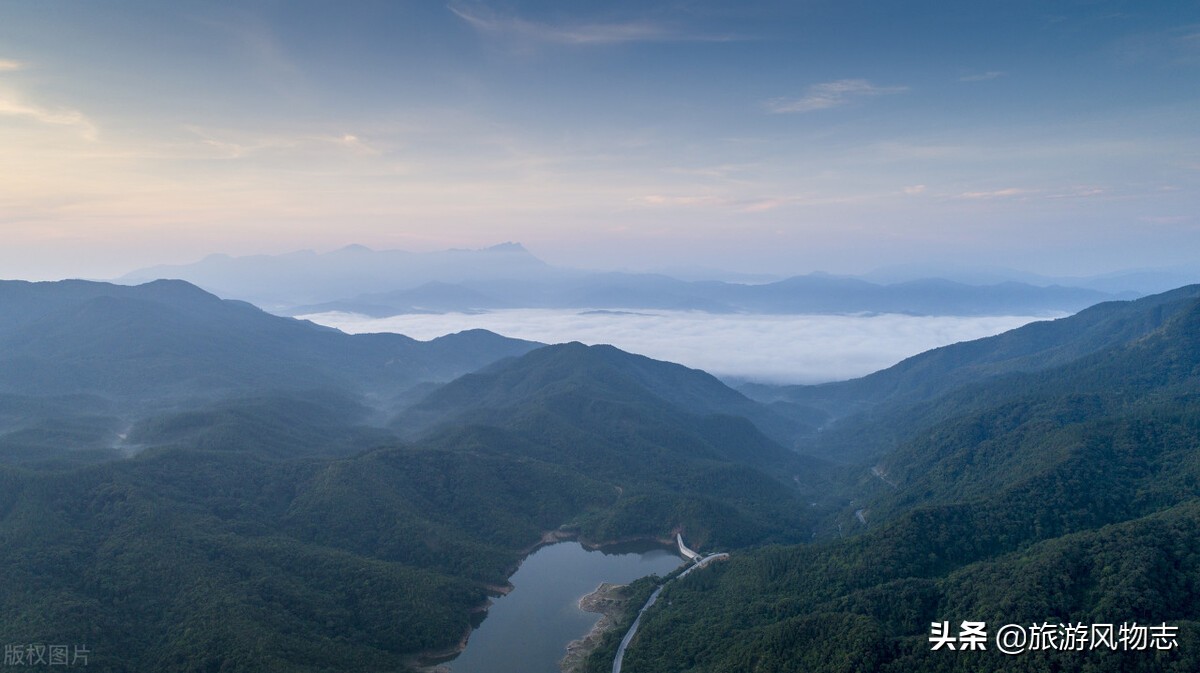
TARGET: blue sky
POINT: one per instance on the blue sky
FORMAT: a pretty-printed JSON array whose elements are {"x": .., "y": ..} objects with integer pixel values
[{"x": 786, "y": 137}]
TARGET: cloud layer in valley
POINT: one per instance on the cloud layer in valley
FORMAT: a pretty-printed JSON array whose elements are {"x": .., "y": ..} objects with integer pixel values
[{"x": 766, "y": 348}]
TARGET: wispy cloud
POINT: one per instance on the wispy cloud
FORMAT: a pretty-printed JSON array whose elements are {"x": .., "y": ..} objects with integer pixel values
[
  {"x": 580, "y": 33},
  {"x": 1166, "y": 219},
  {"x": 1007, "y": 193},
  {"x": 830, "y": 95},
  {"x": 982, "y": 76},
  {"x": 748, "y": 204},
  {"x": 13, "y": 105},
  {"x": 239, "y": 145},
  {"x": 1072, "y": 192},
  {"x": 1078, "y": 192},
  {"x": 740, "y": 205},
  {"x": 726, "y": 172},
  {"x": 764, "y": 205},
  {"x": 684, "y": 201}
]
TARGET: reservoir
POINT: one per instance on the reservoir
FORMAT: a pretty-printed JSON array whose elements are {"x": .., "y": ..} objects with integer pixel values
[{"x": 527, "y": 631}]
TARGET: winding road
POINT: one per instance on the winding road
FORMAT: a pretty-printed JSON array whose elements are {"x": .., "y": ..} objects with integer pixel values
[{"x": 697, "y": 562}]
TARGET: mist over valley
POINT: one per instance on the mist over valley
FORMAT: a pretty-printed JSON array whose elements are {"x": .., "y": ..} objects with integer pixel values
[{"x": 736, "y": 346}]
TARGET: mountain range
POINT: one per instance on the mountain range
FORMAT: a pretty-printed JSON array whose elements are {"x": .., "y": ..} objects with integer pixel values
[
  {"x": 1052, "y": 482},
  {"x": 286, "y": 497},
  {"x": 93, "y": 359},
  {"x": 356, "y": 279},
  {"x": 188, "y": 483},
  {"x": 888, "y": 403}
]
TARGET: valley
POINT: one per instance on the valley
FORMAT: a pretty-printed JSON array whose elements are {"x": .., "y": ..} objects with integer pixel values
[{"x": 268, "y": 510}]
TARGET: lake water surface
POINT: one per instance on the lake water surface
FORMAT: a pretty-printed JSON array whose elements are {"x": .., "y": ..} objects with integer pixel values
[{"x": 527, "y": 631}]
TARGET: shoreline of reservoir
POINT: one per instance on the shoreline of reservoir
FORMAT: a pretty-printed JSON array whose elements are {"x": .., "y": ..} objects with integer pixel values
[{"x": 443, "y": 660}]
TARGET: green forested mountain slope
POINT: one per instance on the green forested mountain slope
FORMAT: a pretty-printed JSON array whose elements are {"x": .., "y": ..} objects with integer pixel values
[
  {"x": 260, "y": 527},
  {"x": 1066, "y": 495},
  {"x": 170, "y": 338},
  {"x": 194, "y": 561},
  {"x": 85, "y": 367},
  {"x": 952, "y": 381},
  {"x": 599, "y": 410},
  {"x": 609, "y": 373},
  {"x": 1036, "y": 346},
  {"x": 267, "y": 529}
]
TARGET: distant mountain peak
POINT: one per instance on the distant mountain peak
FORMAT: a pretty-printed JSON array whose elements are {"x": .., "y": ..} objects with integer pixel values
[
  {"x": 175, "y": 289},
  {"x": 507, "y": 246},
  {"x": 354, "y": 248}
]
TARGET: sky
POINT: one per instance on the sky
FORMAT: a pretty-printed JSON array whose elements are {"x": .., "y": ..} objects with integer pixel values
[{"x": 762, "y": 136}]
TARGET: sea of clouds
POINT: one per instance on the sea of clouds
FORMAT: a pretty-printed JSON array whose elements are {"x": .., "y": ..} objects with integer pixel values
[{"x": 764, "y": 348}]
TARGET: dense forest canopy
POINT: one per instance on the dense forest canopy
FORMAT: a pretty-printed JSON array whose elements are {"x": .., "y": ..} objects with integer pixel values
[{"x": 190, "y": 484}]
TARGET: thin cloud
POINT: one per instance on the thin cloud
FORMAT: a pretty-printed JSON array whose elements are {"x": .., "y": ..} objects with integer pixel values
[
  {"x": 9, "y": 65},
  {"x": 982, "y": 77},
  {"x": 356, "y": 144},
  {"x": 718, "y": 172},
  {"x": 764, "y": 205},
  {"x": 1007, "y": 193},
  {"x": 1078, "y": 193},
  {"x": 239, "y": 145},
  {"x": 830, "y": 95},
  {"x": 685, "y": 201},
  {"x": 595, "y": 33},
  {"x": 12, "y": 105},
  {"x": 753, "y": 205},
  {"x": 1165, "y": 219}
]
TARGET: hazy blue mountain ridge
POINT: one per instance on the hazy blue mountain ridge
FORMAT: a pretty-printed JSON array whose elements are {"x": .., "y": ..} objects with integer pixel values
[
  {"x": 300, "y": 278},
  {"x": 381, "y": 283},
  {"x": 812, "y": 294}
]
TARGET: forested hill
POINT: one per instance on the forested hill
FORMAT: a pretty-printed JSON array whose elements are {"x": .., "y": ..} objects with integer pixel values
[
  {"x": 665, "y": 435},
  {"x": 171, "y": 338},
  {"x": 261, "y": 512},
  {"x": 1067, "y": 495},
  {"x": 1036, "y": 346},
  {"x": 258, "y": 524},
  {"x": 874, "y": 414},
  {"x": 84, "y": 366},
  {"x": 609, "y": 373}
]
